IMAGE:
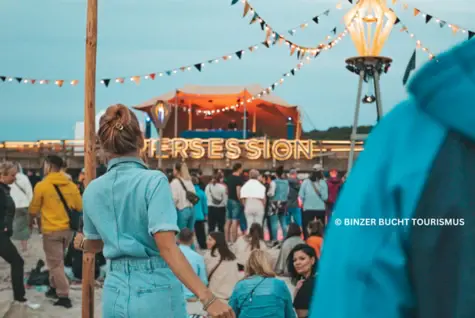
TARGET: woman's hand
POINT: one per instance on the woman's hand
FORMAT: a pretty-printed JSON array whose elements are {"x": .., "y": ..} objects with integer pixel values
[
  {"x": 78, "y": 241},
  {"x": 218, "y": 309}
]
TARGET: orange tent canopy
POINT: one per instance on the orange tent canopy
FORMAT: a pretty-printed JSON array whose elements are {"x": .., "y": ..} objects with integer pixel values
[{"x": 195, "y": 101}]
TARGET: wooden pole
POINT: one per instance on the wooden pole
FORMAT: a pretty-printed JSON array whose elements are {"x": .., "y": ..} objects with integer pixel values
[{"x": 89, "y": 146}]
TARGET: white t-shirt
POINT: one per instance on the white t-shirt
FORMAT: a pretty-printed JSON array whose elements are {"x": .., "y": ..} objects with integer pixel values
[
  {"x": 179, "y": 194},
  {"x": 218, "y": 191}
]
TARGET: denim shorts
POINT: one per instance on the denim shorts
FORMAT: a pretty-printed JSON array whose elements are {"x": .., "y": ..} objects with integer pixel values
[
  {"x": 234, "y": 210},
  {"x": 142, "y": 288}
]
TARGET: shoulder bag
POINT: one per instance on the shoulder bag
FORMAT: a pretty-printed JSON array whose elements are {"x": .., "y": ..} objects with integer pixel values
[
  {"x": 75, "y": 217},
  {"x": 190, "y": 196},
  {"x": 214, "y": 270},
  {"x": 251, "y": 293},
  {"x": 317, "y": 191},
  {"x": 213, "y": 198}
]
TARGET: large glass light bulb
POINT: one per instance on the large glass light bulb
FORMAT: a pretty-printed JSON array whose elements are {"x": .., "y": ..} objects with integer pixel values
[{"x": 369, "y": 23}]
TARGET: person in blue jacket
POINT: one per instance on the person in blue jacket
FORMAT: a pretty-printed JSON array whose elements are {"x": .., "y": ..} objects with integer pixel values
[
  {"x": 413, "y": 192},
  {"x": 201, "y": 213}
]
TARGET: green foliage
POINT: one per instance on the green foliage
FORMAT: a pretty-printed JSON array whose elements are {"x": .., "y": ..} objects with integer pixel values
[{"x": 335, "y": 133}]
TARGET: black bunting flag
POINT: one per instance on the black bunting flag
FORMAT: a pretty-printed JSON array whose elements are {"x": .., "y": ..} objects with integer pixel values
[
  {"x": 233, "y": 2},
  {"x": 442, "y": 24},
  {"x": 239, "y": 54},
  {"x": 298, "y": 54},
  {"x": 3, "y": 78},
  {"x": 266, "y": 44},
  {"x": 411, "y": 66},
  {"x": 316, "y": 54},
  {"x": 428, "y": 18},
  {"x": 326, "y": 13},
  {"x": 263, "y": 24},
  {"x": 198, "y": 66},
  {"x": 397, "y": 21},
  {"x": 350, "y": 1},
  {"x": 334, "y": 30},
  {"x": 470, "y": 34},
  {"x": 273, "y": 86},
  {"x": 18, "y": 79},
  {"x": 292, "y": 72},
  {"x": 315, "y": 19},
  {"x": 106, "y": 81}
]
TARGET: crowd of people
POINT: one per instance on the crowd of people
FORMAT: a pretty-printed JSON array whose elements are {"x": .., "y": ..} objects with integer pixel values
[{"x": 229, "y": 256}]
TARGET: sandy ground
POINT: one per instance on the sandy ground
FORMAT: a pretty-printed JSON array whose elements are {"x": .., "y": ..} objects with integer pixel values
[{"x": 47, "y": 310}]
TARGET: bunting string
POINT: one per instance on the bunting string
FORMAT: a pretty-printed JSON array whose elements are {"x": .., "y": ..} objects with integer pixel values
[
  {"x": 305, "y": 24},
  {"x": 137, "y": 78},
  {"x": 419, "y": 44},
  {"x": 430, "y": 17},
  {"x": 273, "y": 37},
  {"x": 272, "y": 87}
]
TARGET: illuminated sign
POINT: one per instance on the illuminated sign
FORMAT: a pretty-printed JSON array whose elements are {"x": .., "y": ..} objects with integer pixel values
[{"x": 234, "y": 149}]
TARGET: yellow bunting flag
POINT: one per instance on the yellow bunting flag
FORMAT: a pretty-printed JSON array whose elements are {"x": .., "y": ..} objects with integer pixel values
[
  {"x": 135, "y": 79},
  {"x": 455, "y": 29},
  {"x": 416, "y": 11},
  {"x": 59, "y": 83},
  {"x": 303, "y": 25},
  {"x": 74, "y": 82}
]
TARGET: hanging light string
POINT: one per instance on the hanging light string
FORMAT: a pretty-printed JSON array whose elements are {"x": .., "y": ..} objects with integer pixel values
[
  {"x": 273, "y": 37},
  {"x": 430, "y": 17},
  {"x": 272, "y": 87},
  {"x": 136, "y": 78},
  {"x": 419, "y": 44},
  {"x": 316, "y": 19}
]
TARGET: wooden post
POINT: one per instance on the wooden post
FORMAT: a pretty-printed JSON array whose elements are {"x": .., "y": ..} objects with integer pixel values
[{"x": 89, "y": 146}]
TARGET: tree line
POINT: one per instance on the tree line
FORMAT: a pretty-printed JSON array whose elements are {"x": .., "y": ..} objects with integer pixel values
[{"x": 335, "y": 133}]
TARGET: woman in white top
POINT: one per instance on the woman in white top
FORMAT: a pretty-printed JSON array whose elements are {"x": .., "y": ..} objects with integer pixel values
[
  {"x": 217, "y": 200},
  {"x": 221, "y": 266},
  {"x": 253, "y": 195},
  {"x": 22, "y": 194},
  {"x": 179, "y": 186}
]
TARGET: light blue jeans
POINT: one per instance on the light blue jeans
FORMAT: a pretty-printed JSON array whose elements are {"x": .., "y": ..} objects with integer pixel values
[
  {"x": 274, "y": 223},
  {"x": 142, "y": 288},
  {"x": 186, "y": 218}
]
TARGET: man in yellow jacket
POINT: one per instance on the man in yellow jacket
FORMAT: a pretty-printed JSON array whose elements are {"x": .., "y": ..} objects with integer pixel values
[{"x": 55, "y": 224}]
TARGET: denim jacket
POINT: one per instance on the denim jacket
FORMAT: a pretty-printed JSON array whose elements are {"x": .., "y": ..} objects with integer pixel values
[{"x": 262, "y": 297}]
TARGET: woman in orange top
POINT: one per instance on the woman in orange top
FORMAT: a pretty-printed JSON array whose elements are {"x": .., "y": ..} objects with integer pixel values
[{"x": 315, "y": 239}]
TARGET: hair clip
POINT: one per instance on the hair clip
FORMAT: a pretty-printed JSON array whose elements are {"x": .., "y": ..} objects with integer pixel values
[{"x": 119, "y": 126}]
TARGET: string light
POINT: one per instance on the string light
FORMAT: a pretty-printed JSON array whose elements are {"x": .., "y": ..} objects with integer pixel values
[{"x": 419, "y": 44}]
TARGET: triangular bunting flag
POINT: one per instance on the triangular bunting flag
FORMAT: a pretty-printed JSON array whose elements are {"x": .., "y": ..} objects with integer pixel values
[
  {"x": 292, "y": 72},
  {"x": 254, "y": 18},
  {"x": 411, "y": 66},
  {"x": 281, "y": 40},
  {"x": 169, "y": 73},
  {"x": 442, "y": 24},
  {"x": 416, "y": 12},
  {"x": 292, "y": 50},
  {"x": 405, "y": 6},
  {"x": 182, "y": 68},
  {"x": 272, "y": 86},
  {"x": 291, "y": 32},
  {"x": 18, "y": 79},
  {"x": 233, "y": 2},
  {"x": 397, "y": 21},
  {"x": 120, "y": 80},
  {"x": 428, "y": 18},
  {"x": 239, "y": 54},
  {"x": 334, "y": 30},
  {"x": 266, "y": 44},
  {"x": 298, "y": 54},
  {"x": 394, "y": 1},
  {"x": 59, "y": 83},
  {"x": 33, "y": 81},
  {"x": 276, "y": 38},
  {"x": 315, "y": 19},
  {"x": 470, "y": 35},
  {"x": 106, "y": 82},
  {"x": 198, "y": 66},
  {"x": 152, "y": 76},
  {"x": 246, "y": 9},
  {"x": 251, "y": 49},
  {"x": 263, "y": 24},
  {"x": 317, "y": 54},
  {"x": 135, "y": 79},
  {"x": 73, "y": 82},
  {"x": 3, "y": 78},
  {"x": 326, "y": 12},
  {"x": 350, "y": 1},
  {"x": 455, "y": 29}
]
